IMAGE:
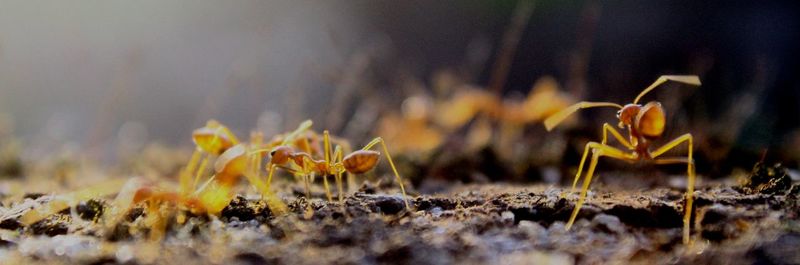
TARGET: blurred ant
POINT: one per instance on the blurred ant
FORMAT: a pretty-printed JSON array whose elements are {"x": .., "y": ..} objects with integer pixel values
[
  {"x": 335, "y": 163},
  {"x": 544, "y": 99},
  {"x": 644, "y": 124},
  {"x": 411, "y": 131},
  {"x": 212, "y": 196},
  {"x": 212, "y": 139}
]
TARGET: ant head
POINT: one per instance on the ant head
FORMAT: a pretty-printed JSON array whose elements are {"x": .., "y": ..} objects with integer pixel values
[
  {"x": 627, "y": 114},
  {"x": 213, "y": 138},
  {"x": 280, "y": 155}
]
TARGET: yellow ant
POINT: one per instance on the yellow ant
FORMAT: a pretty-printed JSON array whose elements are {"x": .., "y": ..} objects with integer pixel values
[
  {"x": 543, "y": 99},
  {"x": 644, "y": 124},
  {"x": 212, "y": 139},
  {"x": 335, "y": 163},
  {"x": 213, "y": 195}
]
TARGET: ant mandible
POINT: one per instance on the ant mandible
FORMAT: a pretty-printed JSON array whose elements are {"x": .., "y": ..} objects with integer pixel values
[{"x": 644, "y": 124}]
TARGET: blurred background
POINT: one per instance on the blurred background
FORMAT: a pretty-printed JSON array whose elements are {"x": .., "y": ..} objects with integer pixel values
[{"x": 105, "y": 79}]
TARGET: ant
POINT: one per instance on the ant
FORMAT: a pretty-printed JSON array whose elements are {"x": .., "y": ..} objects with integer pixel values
[
  {"x": 644, "y": 124},
  {"x": 303, "y": 139},
  {"x": 335, "y": 163},
  {"x": 233, "y": 161},
  {"x": 212, "y": 139},
  {"x": 543, "y": 99}
]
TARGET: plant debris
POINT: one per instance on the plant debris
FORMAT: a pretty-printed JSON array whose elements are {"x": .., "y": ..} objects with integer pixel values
[{"x": 767, "y": 179}]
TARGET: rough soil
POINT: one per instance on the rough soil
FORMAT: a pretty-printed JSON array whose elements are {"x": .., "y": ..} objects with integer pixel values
[{"x": 755, "y": 222}]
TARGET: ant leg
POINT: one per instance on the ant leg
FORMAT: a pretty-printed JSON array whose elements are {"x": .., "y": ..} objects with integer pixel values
[
  {"x": 598, "y": 150},
  {"x": 205, "y": 184},
  {"x": 307, "y": 177},
  {"x": 253, "y": 175},
  {"x": 186, "y": 174},
  {"x": 327, "y": 187},
  {"x": 672, "y": 144},
  {"x": 251, "y": 163},
  {"x": 580, "y": 169},
  {"x": 608, "y": 128},
  {"x": 672, "y": 160},
  {"x": 200, "y": 170},
  {"x": 255, "y": 157},
  {"x": 586, "y": 182},
  {"x": 307, "y": 146},
  {"x": 269, "y": 175},
  {"x": 257, "y": 167},
  {"x": 337, "y": 160},
  {"x": 273, "y": 202},
  {"x": 351, "y": 182},
  {"x": 327, "y": 149},
  {"x": 326, "y": 140},
  {"x": 253, "y": 169},
  {"x": 690, "y": 177},
  {"x": 307, "y": 184},
  {"x": 391, "y": 163},
  {"x": 344, "y": 148}
]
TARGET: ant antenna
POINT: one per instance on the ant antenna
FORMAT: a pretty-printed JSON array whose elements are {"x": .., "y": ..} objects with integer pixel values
[
  {"x": 553, "y": 121},
  {"x": 305, "y": 125},
  {"x": 686, "y": 79}
]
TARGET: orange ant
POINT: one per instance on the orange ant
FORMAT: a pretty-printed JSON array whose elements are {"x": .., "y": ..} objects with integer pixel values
[
  {"x": 644, "y": 124},
  {"x": 543, "y": 99},
  {"x": 303, "y": 139},
  {"x": 335, "y": 163},
  {"x": 411, "y": 131}
]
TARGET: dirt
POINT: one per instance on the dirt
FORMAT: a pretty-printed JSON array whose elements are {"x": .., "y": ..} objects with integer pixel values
[{"x": 755, "y": 222}]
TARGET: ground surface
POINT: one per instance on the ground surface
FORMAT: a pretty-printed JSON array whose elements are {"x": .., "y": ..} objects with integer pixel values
[{"x": 474, "y": 224}]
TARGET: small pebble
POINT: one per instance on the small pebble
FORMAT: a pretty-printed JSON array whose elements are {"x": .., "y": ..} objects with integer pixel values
[
  {"x": 608, "y": 223},
  {"x": 507, "y": 217}
]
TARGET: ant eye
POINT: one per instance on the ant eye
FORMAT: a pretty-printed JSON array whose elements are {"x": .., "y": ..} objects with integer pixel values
[
  {"x": 619, "y": 113},
  {"x": 272, "y": 153}
]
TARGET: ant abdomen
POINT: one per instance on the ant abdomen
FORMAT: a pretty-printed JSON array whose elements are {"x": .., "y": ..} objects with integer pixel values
[
  {"x": 361, "y": 161},
  {"x": 650, "y": 120}
]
